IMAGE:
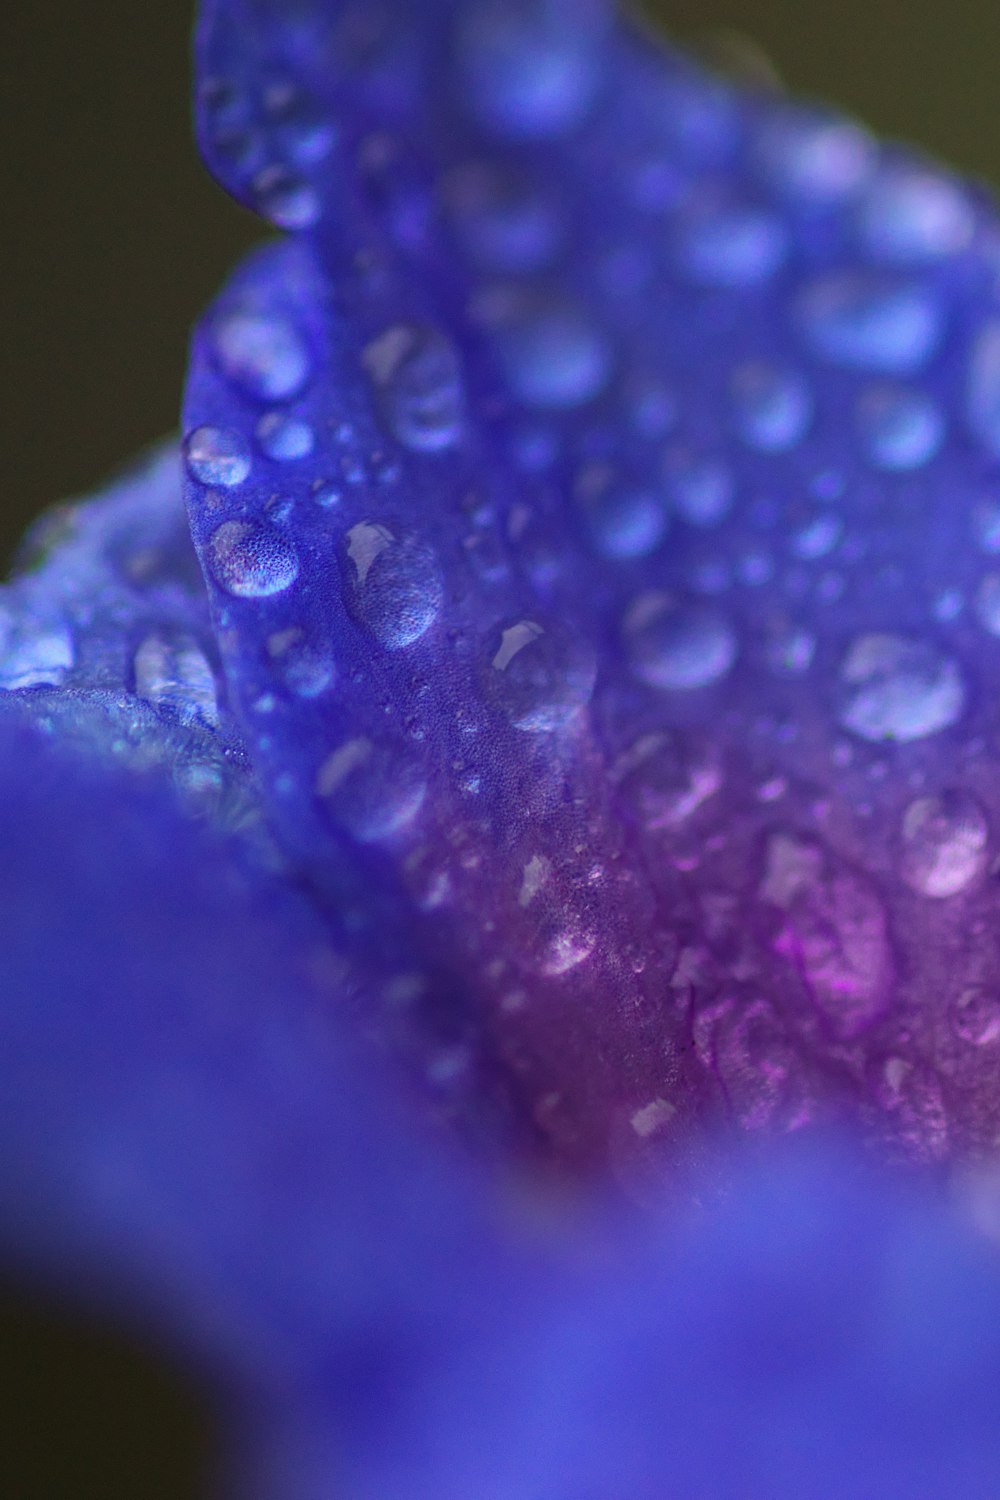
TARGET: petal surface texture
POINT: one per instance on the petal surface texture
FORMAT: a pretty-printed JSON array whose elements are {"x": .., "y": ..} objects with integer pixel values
[{"x": 598, "y": 525}]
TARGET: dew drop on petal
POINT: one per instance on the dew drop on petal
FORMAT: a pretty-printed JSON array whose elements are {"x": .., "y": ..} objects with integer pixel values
[
  {"x": 987, "y": 603},
  {"x": 982, "y": 395},
  {"x": 772, "y": 406},
  {"x": 625, "y": 520},
  {"x": 702, "y": 489},
  {"x": 678, "y": 644},
  {"x": 392, "y": 586},
  {"x": 369, "y": 790},
  {"x": 975, "y": 1015},
  {"x": 897, "y": 688},
  {"x": 529, "y": 68},
  {"x": 504, "y": 224},
  {"x": 814, "y": 158},
  {"x": 418, "y": 386},
  {"x": 283, "y": 438},
  {"x": 553, "y": 355},
  {"x": 539, "y": 675},
  {"x": 171, "y": 671},
  {"x": 943, "y": 844},
  {"x": 902, "y": 429},
  {"x": 865, "y": 322},
  {"x": 217, "y": 456},
  {"x": 729, "y": 246},
  {"x": 262, "y": 353},
  {"x": 251, "y": 561},
  {"x": 913, "y": 215},
  {"x": 41, "y": 656}
]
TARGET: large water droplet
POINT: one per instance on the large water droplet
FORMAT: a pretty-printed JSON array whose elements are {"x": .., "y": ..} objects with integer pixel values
[
  {"x": 37, "y": 655},
  {"x": 678, "y": 644},
  {"x": 943, "y": 845},
  {"x": 772, "y": 406},
  {"x": 539, "y": 675},
  {"x": 702, "y": 489},
  {"x": 418, "y": 385},
  {"x": 897, "y": 688},
  {"x": 866, "y": 322},
  {"x": 171, "y": 672},
  {"x": 370, "y": 790},
  {"x": 284, "y": 439},
  {"x": 902, "y": 429},
  {"x": 217, "y": 455},
  {"x": 251, "y": 561},
  {"x": 530, "y": 68},
  {"x": 263, "y": 353},
  {"x": 914, "y": 214},
  {"x": 392, "y": 584}
]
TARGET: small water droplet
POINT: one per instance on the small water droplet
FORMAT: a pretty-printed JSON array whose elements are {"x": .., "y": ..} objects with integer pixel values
[
  {"x": 678, "y": 644},
  {"x": 813, "y": 156},
  {"x": 624, "y": 519},
  {"x": 287, "y": 199},
  {"x": 418, "y": 386},
  {"x": 251, "y": 561},
  {"x": 728, "y": 245},
  {"x": 171, "y": 672},
  {"x": 392, "y": 585},
  {"x": 217, "y": 456},
  {"x": 504, "y": 222},
  {"x": 988, "y": 603},
  {"x": 702, "y": 488},
  {"x": 982, "y": 396},
  {"x": 866, "y": 322},
  {"x": 772, "y": 406},
  {"x": 944, "y": 842},
  {"x": 539, "y": 675},
  {"x": 914, "y": 214},
  {"x": 975, "y": 1016},
  {"x": 817, "y": 536},
  {"x": 897, "y": 688},
  {"x": 370, "y": 790},
  {"x": 283, "y": 438},
  {"x": 41, "y": 654},
  {"x": 986, "y": 526},
  {"x": 901, "y": 429},
  {"x": 263, "y": 353},
  {"x": 306, "y": 669}
]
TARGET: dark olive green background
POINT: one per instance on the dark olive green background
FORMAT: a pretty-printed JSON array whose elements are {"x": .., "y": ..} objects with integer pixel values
[{"x": 112, "y": 240}]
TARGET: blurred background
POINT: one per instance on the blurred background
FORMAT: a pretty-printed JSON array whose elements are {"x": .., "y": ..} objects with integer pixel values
[{"x": 113, "y": 240}]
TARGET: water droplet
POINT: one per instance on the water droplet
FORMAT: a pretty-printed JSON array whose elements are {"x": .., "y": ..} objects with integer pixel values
[
  {"x": 263, "y": 353},
  {"x": 392, "y": 584},
  {"x": 896, "y": 688},
  {"x": 865, "y": 322},
  {"x": 217, "y": 455},
  {"x": 901, "y": 429},
  {"x": 666, "y": 778},
  {"x": 975, "y": 1016},
  {"x": 37, "y": 655},
  {"x": 790, "y": 648},
  {"x": 288, "y": 200},
  {"x": 553, "y": 355},
  {"x": 678, "y": 644},
  {"x": 563, "y": 949},
  {"x": 284, "y": 439},
  {"x": 171, "y": 672},
  {"x": 817, "y": 536},
  {"x": 702, "y": 489},
  {"x": 814, "y": 157},
  {"x": 988, "y": 603},
  {"x": 943, "y": 844},
  {"x": 982, "y": 396},
  {"x": 251, "y": 561},
  {"x": 772, "y": 407},
  {"x": 728, "y": 245},
  {"x": 624, "y": 519},
  {"x": 834, "y": 931},
  {"x": 370, "y": 790},
  {"x": 539, "y": 675},
  {"x": 418, "y": 386},
  {"x": 986, "y": 526},
  {"x": 307, "y": 670},
  {"x": 913, "y": 214},
  {"x": 530, "y": 68},
  {"x": 503, "y": 221}
]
